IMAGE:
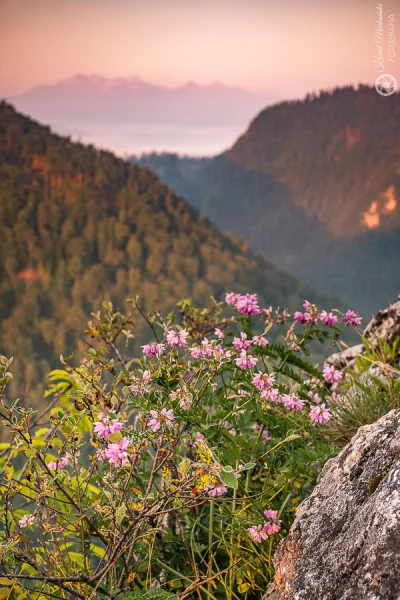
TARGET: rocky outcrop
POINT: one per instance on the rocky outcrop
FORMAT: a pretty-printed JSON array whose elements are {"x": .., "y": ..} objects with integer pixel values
[
  {"x": 384, "y": 326},
  {"x": 345, "y": 541}
]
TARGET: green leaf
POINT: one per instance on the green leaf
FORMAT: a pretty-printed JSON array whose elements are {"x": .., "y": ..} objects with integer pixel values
[
  {"x": 228, "y": 479},
  {"x": 249, "y": 465},
  {"x": 97, "y": 551}
]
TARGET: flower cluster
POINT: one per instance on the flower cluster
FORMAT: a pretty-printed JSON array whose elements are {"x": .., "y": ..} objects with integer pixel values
[
  {"x": 26, "y": 520},
  {"x": 246, "y": 361},
  {"x": 264, "y": 381},
  {"x": 153, "y": 350},
  {"x": 186, "y": 430},
  {"x": 320, "y": 414},
  {"x": 161, "y": 420},
  {"x": 218, "y": 490},
  {"x": 351, "y": 318},
  {"x": 311, "y": 316},
  {"x": 265, "y": 435},
  {"x": 106, "y": 425},
  {"x": 183, "y": 396},
  {"x": 205, "y": 350},
  {"x": 331, "y": 375},
  {"x": 270, "y": 527},
  {"x": 117, "y": 454},
  {"x": 139, "y": 387},
  {"x": 64, "y": 461},
  {"x": 177, "y": 338},
  {"x": 246, "y": 304}
]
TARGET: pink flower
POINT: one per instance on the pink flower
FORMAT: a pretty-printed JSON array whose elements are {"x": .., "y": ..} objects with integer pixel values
[
  {"x": 320, "y": 414},
  {"x": 200, "y": 437},
  {"x": 292, "y": 402},
  {"x": 218, "y": 490},
  {"x": 245, "y": 361},
  {"x": 299, "y": 317},
  {"x": 27, "y": 520},
  {"x": 161, "y": 420},
  {"x": 219, "y": 333},
  {"x": 195, "y": 352},
  {"x": 138, "y": 387},
  {"x": 294, "y": 347},
  {"x": 274, "y": 525},
  {"x": 265, "y": 436},
  {"x": 177, "y": 338},
  {"x": 257, "y": 533},
  {"x": 264, "y": 381},
  {"x": 271, "y": 514},
  {"x": 206, "y": 347},
  {"x": 271, "y": 528},
  {"x": 328, "y": 318},
  {"x": 331, "y": 375},
  {"x": 146, "y": 375},
  {"x": 314, "y": 396},
  {"x": 232, "y": 298},
  {"x": 241, "y": 343},
  {"x": 335, "y": 397},
  {"x": 204, "y": 351},
  {"x": 258, "y": 340},
  {"x": 247, "y": 304},
  {"x": 272, "y": 394},
  {"x": 117, "y": 453},
  {"x": 183, "y": 396},
  {"x": 105, "y": 426},
  {"x": 65, "y": 461},
  {"x": 351, "y": 318},
  {"x": 256, "y": 427},
  {"x": 152, "y": 350},
  {"x": 101, "y": 454},
  {"x": 311, "y": 318},
  {"x": 282, "y": 318}
]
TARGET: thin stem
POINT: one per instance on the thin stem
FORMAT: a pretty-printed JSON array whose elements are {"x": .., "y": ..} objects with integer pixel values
[{"x": 210, "y": 540}]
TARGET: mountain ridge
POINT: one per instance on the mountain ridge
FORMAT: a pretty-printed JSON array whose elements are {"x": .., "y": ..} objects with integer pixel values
[
  {"x": 313, "y": 184},
  {"x": 95, "y": 95},
  {"x": 79, "y": 225}
]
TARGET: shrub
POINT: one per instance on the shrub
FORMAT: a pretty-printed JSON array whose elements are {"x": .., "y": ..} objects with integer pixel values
[{"x": 176, "y": 472}]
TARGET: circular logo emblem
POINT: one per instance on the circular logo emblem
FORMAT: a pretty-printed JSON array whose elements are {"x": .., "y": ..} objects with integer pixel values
[{"x": 385, "y": 85}]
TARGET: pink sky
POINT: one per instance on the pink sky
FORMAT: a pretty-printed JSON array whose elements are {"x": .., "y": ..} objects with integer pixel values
[{"x": 288, "y": 45}]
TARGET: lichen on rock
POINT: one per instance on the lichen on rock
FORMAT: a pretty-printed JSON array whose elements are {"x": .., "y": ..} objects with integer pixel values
[{"x": 345, "y": 541}]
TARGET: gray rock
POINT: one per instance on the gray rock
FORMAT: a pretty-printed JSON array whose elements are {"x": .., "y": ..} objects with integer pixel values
[
  {"x": 345, "y": 541},
  {"x": 385, "y": 325},
  {"x": 346, "y": 358}
]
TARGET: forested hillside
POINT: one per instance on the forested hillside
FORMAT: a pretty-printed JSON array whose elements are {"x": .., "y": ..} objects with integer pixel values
[
  {"x": 315, "y": 186},
  {"x": 78, "y": 226}
]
